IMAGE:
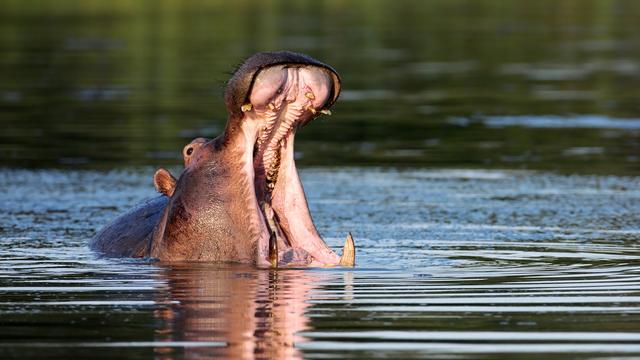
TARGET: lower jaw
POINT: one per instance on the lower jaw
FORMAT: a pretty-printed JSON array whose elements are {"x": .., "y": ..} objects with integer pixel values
[
  {"x": 288, "y": 201},
  {"x": 301, "y": 244}
]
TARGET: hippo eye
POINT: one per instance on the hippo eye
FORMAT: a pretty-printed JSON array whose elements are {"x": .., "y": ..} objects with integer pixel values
[{"x": 190, "y": 151}]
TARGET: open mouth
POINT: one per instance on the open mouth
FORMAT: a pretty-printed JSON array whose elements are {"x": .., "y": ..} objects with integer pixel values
[{"x": 283, "y": 98}]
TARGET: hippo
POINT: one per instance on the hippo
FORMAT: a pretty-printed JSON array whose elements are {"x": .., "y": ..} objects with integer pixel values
[{"x": 239, "y": 197}]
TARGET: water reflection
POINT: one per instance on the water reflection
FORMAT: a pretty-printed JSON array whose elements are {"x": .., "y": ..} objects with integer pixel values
[{"x": 234, "y": 311}]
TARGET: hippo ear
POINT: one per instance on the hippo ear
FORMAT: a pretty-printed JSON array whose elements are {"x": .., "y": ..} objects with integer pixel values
[{"x": 164, "y": 182}]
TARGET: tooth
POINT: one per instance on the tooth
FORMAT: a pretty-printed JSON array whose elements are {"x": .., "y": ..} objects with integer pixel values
[
  {"x": 271, "y": 106},
  {"x": 273, "y": 239},
  {"x": 246, "y": 107},
  {"x": 348, "y": 257},
  {"x": 313, "y": 111},
  {"x": 310, "y": 96},
  {"x": 273, "y": 250},
  {"x": 325, "y": 111}
]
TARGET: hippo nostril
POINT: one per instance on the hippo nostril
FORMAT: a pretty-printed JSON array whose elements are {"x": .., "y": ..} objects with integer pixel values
[{"x": 190, "y": 151}]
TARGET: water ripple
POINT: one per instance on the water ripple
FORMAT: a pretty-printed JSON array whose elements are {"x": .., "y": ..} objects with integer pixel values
[{"x": 450, "y": 263}]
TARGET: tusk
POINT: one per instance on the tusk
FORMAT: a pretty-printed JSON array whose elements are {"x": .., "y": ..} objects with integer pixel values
[
  {"x": 348, "y": 252},
  {"x": 273, "y": 236},
  {"x": 273, "y": 250},
  {"x": 325, "y": 111}
]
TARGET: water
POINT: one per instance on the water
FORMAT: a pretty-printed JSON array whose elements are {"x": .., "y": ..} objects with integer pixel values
[
  {"x": 104, "y": 84},
  {"x": 450, "y": 264},
  {"x": 485, "y": 155}
]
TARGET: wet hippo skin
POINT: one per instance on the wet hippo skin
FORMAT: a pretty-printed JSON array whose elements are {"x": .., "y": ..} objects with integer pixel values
[{"x": 239, "y": 197}]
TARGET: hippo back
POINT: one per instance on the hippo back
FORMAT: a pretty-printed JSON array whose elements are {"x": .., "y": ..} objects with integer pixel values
[{"x": 130, "y": 233}]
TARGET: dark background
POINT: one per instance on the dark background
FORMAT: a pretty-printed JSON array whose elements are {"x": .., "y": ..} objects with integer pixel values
[{"x": 550, "y": 85}]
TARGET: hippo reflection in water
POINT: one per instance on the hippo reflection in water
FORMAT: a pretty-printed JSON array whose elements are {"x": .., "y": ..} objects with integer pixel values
[
  {"x": 239, "y": 198},
  {"x": 252, "y": 314}
]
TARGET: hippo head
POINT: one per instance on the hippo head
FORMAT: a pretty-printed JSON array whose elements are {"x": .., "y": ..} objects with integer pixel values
[{"x": 239, "y": 197}]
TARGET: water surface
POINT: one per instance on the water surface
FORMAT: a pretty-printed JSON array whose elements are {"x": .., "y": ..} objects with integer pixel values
[{"x": 456, "y": 263}]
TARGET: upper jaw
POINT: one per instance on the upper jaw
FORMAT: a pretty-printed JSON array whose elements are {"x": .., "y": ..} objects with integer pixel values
[{"x": 241, "y": 85}]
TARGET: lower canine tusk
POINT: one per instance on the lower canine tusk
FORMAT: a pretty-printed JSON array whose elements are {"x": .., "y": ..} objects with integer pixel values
[
  {"x": 273, "y": 250},
  {"x": 348, "y": 252},
  {"x": 273, "y": 237}
]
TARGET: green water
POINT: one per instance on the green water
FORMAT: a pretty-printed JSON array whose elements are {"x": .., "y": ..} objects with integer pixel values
[{"x": 98, "y": 84}]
